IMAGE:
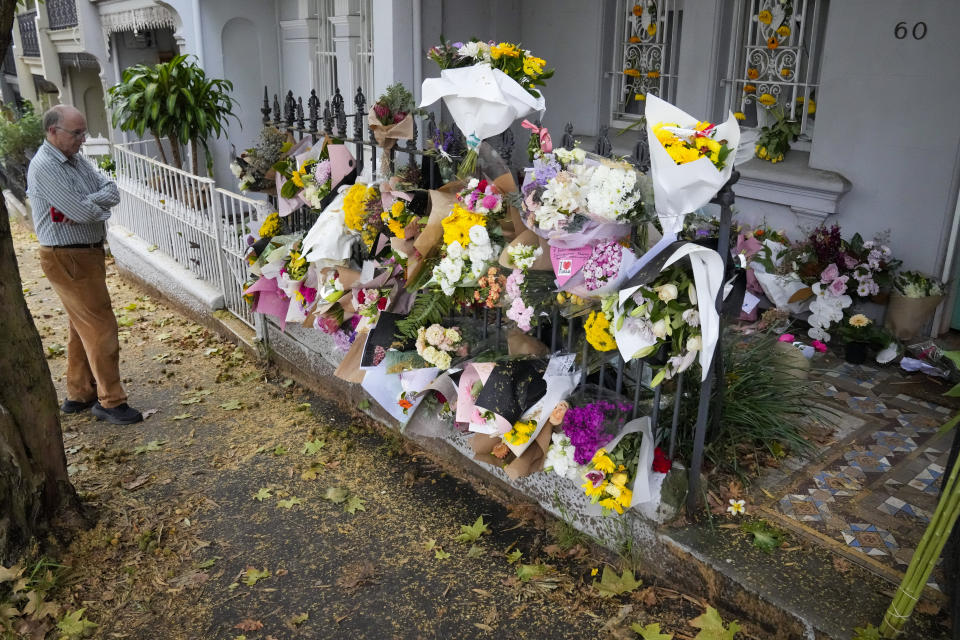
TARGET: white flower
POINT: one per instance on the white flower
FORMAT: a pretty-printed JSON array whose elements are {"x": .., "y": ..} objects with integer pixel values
[
  {"x": 235, "y": 169},
  {"x": 660, "y": 328},
  {"x": 549, "y": 217},
  {"x": 609, "y": 191},
  {"x": 442, "y": 360},
  {"x": 455, "y": 250},
  {"x": 470, "y": 50},
  {"x": 478, "y": 235},
  {"x": 640, "y": 327},
  {"x": 473, "y": 184},
  {"x": 435, "y": 334},
  {"x": 452, "y": 336},
  {"x": 667, "y": 292},
  {"x": 560, "y": 458},
  {"x": 694, "y": 343},
  {"x": 691, "y": 317},
  {"x": 863, "y": 290},
  {"x": 567, "y": 157},
  {"x": 692, "y": 293}
]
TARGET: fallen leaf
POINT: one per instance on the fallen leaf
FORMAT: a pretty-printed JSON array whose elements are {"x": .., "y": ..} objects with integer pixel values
[
  {"x": 299, "y": 619},
  {"x": 232, "y": 405},
  {"x": 312, "y": 447},
  {"x": 711, "y": 626},
  {"x": 483, "y": 627},
  {"x": 73, "y": 625},
  {"x": 336, "y": 495},
  {"x": 39, "y": 608},
  {"x": 153, "y": 445},
  {"x": 472, "y": 533},
  {"x": 289, "y": 503},
  {"x": 138, "y": 482},
  {"x": 354, "y": 504},
  {"x": 357, "y": 575},
  {"x": 514, "y": 556},
  {"x": 182, "y": 416},
  {"x": 440, "y": 554},
  {"x": 249, "y": 625},
  {"x": 262, "y": 494},
  {"x": 253, "y": 575},
  {"x": 313, "y": 472},
  {"x": 476, "y": 551},
  {"x": 611, "y": 584},
  {"x": 651, "y": 631}
]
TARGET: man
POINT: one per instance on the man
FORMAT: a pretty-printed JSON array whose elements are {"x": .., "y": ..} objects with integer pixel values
[{"x": 71, "y": 201}]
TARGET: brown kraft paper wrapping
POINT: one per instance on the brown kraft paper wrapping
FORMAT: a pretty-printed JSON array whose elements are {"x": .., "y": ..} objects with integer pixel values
[
  {"x": 529, "y": 238},
  {"x": 906, "y": 317},
  {"x": 441, "y": 204},
  {"x": 531, "y": 461},
  {"x": 349, "y": 368},
  {"x": 521, "y": 344},
  {"x": 387, "y": 135}
]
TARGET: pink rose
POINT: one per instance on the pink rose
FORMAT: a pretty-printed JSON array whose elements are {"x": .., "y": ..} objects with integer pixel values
[
  {"x": 839, "y": 286},
  {"x": 786, "y": 337},
  {"x": 819, "y": 346},
  {"x": 829, "y": 274},
  {"x": 490, "y": 202}
]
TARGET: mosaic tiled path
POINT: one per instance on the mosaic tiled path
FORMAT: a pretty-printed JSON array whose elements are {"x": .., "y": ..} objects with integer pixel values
[{"x": 868, "y": 494}]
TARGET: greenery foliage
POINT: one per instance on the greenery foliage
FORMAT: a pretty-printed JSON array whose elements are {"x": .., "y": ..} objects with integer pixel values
[
  {"x": 175, "y": 100},
  {"x": 21, "y": 133},
  {"x": 765, "y": 405}
]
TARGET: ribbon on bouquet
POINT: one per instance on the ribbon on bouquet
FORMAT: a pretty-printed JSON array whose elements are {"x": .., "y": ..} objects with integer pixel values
[{"x": 546, "y": 142}]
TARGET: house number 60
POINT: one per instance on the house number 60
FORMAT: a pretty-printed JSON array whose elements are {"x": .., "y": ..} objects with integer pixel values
[{"x": 919, "y": 31}]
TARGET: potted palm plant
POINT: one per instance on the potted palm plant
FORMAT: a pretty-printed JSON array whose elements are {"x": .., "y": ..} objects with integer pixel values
[{"x": 173, "y": 100}]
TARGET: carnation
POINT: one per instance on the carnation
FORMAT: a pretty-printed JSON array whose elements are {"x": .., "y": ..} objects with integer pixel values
[{"x": 435, "y": 334}]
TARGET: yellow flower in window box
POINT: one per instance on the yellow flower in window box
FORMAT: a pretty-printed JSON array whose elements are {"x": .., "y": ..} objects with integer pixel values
[
  {"x": 753, "y": 73},
  {"x": 786, "y": 72},
  {"x": 652, "y": 29},
  {"x": 765, "y": 17},
  {"x": 639, "y": 97},
  {"x": 749, "y": 88},
  {"x": 634, "y": 39},
  {"x": 653, "y": 75},
  {"x": 772, "y": 42},
  {"x": 783, "y": 31},
  {"x": 767, "y": 100},
  {"x": 632, "y": 72},
  {"x": 740, "y": 115}
]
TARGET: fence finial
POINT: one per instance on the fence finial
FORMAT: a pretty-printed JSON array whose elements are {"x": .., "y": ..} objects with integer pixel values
[
  {"x": 603, "y": 147},
  {"x": 276, "y": 110},
  {"x": 313, "y": 105},
  {"x": 567, "y": 141},
  {"x": 359, "y": 107},
  {"x": 327, "y": 118},
  {"x": 265, "y": 109}
]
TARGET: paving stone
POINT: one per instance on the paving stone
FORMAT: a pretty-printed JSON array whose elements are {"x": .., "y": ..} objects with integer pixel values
[{"x": 869, "y": 539}]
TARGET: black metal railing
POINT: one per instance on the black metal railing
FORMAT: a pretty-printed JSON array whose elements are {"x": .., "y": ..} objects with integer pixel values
[
  {"x": 9, "y": 63},
  {"x": 61, "y": 14},
  {"x": 607, "y": 371},
  {"x": 28, "y": 33}
]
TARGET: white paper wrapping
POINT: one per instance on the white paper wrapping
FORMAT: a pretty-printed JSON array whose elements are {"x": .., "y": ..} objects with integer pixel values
[
  {"x": 329, "y": 243},
  {"x": 707, "y": 277},
  {"x": 483, "y": 101},
  {"x": 681, "y": 189},
  {"x": 558, "y": 388}
]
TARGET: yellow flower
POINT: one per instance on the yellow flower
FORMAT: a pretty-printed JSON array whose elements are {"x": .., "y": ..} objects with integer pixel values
[
  {"x": 619, "y": 479},
  {"x": 504, "y": 49},
  {"x": 533, "y": 66},
  {"x": 653, "y": 75},
  {"x": 639, "y": 97},
  {"x": 767, "y": 100},
  {"x": 354, "y": 206},
  {"x": 270, "y": 226},
  {"x": 591, "y": 490},
  {"x": 761, "y": 152},
  {"x": 765, "y": 17},
  {"x": 786, "y": 72},
  {"x": 625, "y": 497},
  {"x": 752, "y": 73},
  {"x": 740, "y": 115},
  {"x": 749, "y": 88},
  {"x": 632, "y": 72},
  {"x": 652, "y": 29},
  {"x": 737, "y": 507},
  {"x": 598, "y": 334},
  {"x": 812, "y": 108},
  {"x": 637, "y": 10},
  {"x": 665, "y": 137},
  {"x": 457, "y": 225},
  {"x": 602, "y": 462},
  {"x": 772, "y": 42},
  {"x": 594, "y": 571},
  {"x": 612, "y": 504},
  {"x": 634, "y": 39},
  {"x": 859, "y": 320},
  {"x": 783, "y": 31}
]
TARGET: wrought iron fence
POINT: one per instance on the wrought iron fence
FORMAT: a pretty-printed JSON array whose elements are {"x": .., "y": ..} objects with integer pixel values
[
  {"x": 27, "y": 23},
  {"x": 330, "y": 118},
  {"x": 61, "y": 14}
]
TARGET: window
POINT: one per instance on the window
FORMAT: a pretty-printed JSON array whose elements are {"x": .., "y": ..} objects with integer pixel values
[
  {"x": 326, "y": 52},
  {"x": 774, "y": 66},
  {"x": 363, "y": 71},
  {"x": 648, "y": 46}
]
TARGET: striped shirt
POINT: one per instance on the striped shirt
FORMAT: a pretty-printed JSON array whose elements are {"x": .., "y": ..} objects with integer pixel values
[{"x": 76, "y": 189}]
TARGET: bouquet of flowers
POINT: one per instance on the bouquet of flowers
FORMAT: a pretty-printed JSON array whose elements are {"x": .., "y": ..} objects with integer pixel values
[
  {"x": 486, "y": 87},
  {"x": 397, "y": 218},
  {"x": 913, "y": 302},
  {"x": 690, "y": 160},
  {"x": 661, "y": 313},
  {"x": 254, "y": 167},
  {"x": 435, "y": 344},
  {"x": 310, "y": 173},
  {"x": 468, "y": 252},
  {"x": 589, "y": 425},
  {"x": 370, "y": 302},
  {"x": 483, "y": 197},
  {"x": 362, "y": 209},
  {"x": 607, "y": 476},
  {"x": 391, "y": 118}
]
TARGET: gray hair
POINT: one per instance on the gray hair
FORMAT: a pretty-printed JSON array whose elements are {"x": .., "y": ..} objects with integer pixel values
[{"x": 53, "y": 116}]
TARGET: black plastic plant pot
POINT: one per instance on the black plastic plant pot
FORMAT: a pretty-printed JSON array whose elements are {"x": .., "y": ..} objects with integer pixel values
[{"x": 856, "y": 352}]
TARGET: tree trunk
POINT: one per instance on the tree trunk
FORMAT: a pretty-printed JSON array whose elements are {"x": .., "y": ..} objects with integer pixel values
[
  {"x": 34, "y": 487},
  {"x": 163, "y": 153},
  {"x": 175, "y": 150},
  {"x": 193, "y": 153}
]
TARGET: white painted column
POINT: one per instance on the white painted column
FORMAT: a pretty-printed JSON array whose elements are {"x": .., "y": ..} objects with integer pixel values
[
  {"x": 700, "y": 56},
  {"x": 346, "y": 40},
  {"x": 393, "y": 46}
]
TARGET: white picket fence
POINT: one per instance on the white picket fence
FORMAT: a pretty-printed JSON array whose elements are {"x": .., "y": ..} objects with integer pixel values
[{"x": 188, "y": 218}]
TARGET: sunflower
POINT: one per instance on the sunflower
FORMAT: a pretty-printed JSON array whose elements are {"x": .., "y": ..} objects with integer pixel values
[
  {"x": 767, "y": 100},
  {"x": 772, "y": 42}
]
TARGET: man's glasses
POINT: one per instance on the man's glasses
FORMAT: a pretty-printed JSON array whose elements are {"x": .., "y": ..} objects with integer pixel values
[{"x": 79, "y": 133}]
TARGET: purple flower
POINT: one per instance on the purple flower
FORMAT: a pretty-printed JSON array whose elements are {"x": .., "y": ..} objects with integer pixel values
[
  {"x": 457, "y": 45},
  {"x": 343, "y": 340},
  {"x": 592, "y": 426},
  {"x": 545, "y": 169},
  {"x": 321, "y": 173},
  {"x": 595, "y": 477}
]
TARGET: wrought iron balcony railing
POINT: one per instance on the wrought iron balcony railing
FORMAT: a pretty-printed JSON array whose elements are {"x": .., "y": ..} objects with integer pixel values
[
  {"x": 28, "y": 33},
  {"x": 61, "y": 14}
]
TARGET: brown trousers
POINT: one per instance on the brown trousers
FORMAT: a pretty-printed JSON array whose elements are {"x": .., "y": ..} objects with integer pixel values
[{"x": 79, "y": 276}]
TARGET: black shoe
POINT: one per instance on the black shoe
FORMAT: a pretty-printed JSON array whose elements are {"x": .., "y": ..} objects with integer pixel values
[
  {"x": 121, "y": 414},
  {"x": 76, "y": 406}
]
